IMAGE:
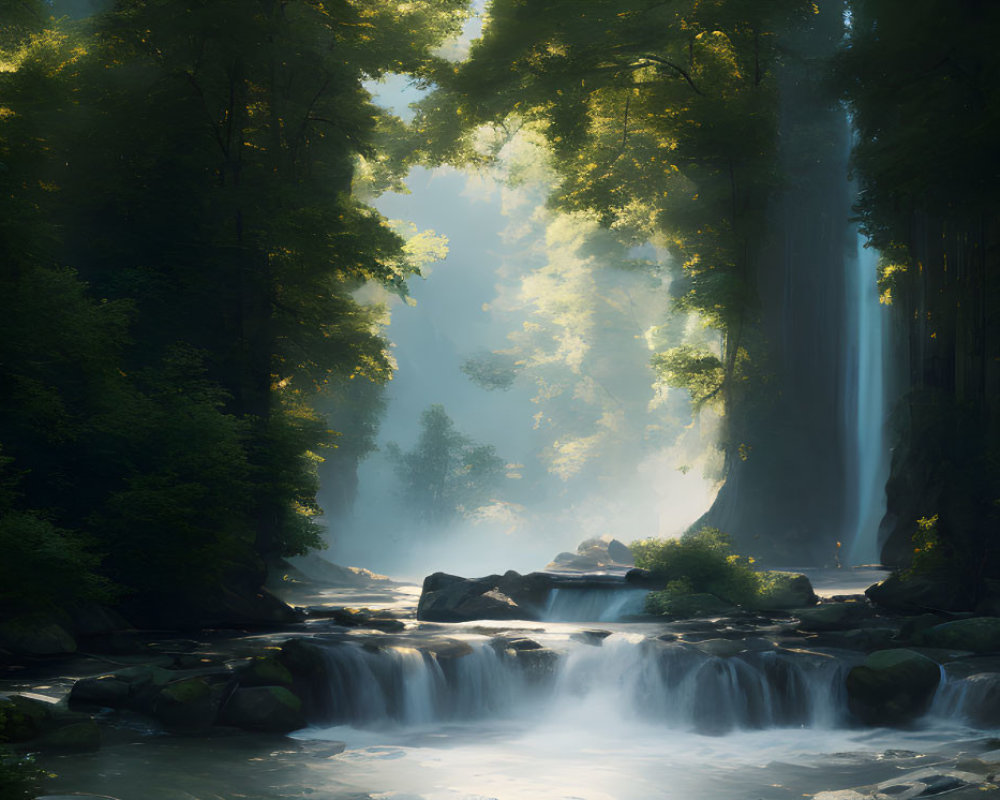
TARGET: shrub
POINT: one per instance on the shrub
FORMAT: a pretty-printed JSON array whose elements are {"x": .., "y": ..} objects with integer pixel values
[
  {"x": 700, "y": 562},
  {"x": 19, "y": 777}
]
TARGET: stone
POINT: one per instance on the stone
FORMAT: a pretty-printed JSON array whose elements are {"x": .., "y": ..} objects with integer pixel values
[
  {"x": 106, "y": 691},
  {"x": 303, "y": 658},
  {"x": 784, "y": 590},
  {"x": 619, "y": 552},
  {"x": 272, "y": 709},
  {"x": 265, "y": 671},
  {"x": 720, "y": 648},
  {"x": 831, "y": 616},
  {"x": 864, "y": 639},
  {"x": 190, "y": 705},
  {"x": 977, "y": 634},
  {"x": 592, "y": 637},
  {"x": 892, "y": 687},
  {"x": 77, "y": 737},
  {"x": 919, "y": 593},
  {"x": 23, "y": 718},
  {"x": 36, "y": 639}
]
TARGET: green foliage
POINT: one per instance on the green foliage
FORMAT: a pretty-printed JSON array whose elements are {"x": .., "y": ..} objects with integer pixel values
[
  {"x": 20, "y": 779},
  {"x": 446, "y": 474},
  {"x": 686, "y": 367},
  {"x": 700, "y": 562}
]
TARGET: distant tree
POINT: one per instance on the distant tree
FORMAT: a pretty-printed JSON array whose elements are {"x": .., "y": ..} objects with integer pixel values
[{"x": 447, "y": 474}]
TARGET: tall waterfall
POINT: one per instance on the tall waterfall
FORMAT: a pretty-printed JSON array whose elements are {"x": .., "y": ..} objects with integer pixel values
[{"x": 866, "y": 447}]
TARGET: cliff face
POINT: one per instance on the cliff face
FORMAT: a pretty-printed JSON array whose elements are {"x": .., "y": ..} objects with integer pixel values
[
  {"x": 784, "y": 495},
  {"x": 946, "y": 457}
]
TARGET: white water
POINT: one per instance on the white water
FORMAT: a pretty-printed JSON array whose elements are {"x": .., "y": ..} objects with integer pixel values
[
  {"x": 594, "y": 605},
  {"x": 865, "y": 407}
]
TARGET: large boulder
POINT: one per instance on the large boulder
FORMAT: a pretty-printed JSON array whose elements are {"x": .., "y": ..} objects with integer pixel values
[
  {"x": 976, "y": 634},
  {"x": 914, "y": 594},
  {"x": 449, "y": 598},
  {"x": 832, "y": 616},
  {"x": 892, "y": 687},
  {"x": 272, "y": 709},
  {"x": 45, "y": 638},
  {"x": 784, "y": 590},
  {"x": 46, "y": 726},
  {"x": 594, "y": 554},
  {"x": 190, "y": 705}
]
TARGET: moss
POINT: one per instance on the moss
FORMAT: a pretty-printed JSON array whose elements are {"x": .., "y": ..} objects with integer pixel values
[{"x": 187, "y": 691}]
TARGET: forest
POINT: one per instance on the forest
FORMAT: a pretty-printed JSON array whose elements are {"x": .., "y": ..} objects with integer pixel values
[{"x": 198, "y": 289}]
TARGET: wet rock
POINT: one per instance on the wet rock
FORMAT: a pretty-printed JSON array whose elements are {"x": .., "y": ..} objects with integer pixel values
[
  {"x": 364, "y": 618},
  {"x": 106, "y": 691},
  {"x": 265, "y": 671},
  {"x": 272, "y": 709},
  {"x": 919, "y": 593},
  {"x": 892, "y": 687},
  {"x": 36, "y": 639},
  {"x": 645, "y": 579},
  {"x": 449, "y": 598},
  {"x": 593, "y": 637},
  {"x": 444, "y": 649},
  {"x": 516, "y": 643},
  {"x": 979, "y": 699},
  {"x": 23, "y": 718},
  {"x": 304, "y": 658},
  {"x": 190, "y": 705},
  {"x": 720, "y": 648},
  {"x": 76, "y": 737},
  {"x": 977, "y": 634},
  {"x": 832, "y": 616},
  {"x": 785, "y": 590},
  {"x": 865, "y": 639}
]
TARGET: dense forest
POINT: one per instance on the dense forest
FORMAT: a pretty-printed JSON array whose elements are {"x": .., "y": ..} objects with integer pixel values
[{"x": 186, "y": 223}]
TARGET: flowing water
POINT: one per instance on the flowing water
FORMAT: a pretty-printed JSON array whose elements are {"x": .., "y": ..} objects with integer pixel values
[{"x": 608, "y": 710}]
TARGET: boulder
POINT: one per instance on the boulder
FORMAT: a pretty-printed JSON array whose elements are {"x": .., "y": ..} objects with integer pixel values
[
  {"x": 304, "y": 658},
  {"x": 785, "y": 590},
  {"x": 591, "y": 637},
  {"x": 36, "y": 639},
  {"x": 449, "y": 598},
  {"x": 977, "y": 634},
  {"x": 864, "y": 639},
  {"x": 190, "y": 705},
  {"x": 594, "y": 554},
  {"x": 364, "y": 618},
  {"x": 980, "y": 699},
  {"x": 77, "y": 737},
  {"x": 23, "y": 718},
  {"x": 892, "y": 687},
  {"x": 106, "y": 691},
  {"x": 831, "y": 616},
  {"x": 272, "y": 709},
  {"x": 645, "y": 579},
  {"x": 265, "y": 671},
  {"x": 919, "y": 593}
]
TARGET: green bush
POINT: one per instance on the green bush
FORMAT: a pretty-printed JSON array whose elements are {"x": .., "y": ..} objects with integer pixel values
[
  {"x": 19, "y": 777},
  {"x": 699, "y": 563}
]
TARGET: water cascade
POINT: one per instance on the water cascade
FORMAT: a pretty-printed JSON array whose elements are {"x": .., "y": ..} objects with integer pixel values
[
  {"x": 865, "y": 448},
  {"x": 594, "y": 605},
  {"x": 627, "y": 676}
]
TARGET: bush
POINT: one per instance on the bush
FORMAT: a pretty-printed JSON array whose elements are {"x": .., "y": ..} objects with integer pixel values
[
  {"x": 699, "y": 563},
  {"x": 19, "y": 777}
]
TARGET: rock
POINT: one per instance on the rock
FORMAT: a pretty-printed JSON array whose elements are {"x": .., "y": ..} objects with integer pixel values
[
  {"x": 913, "y": 625},
  {"x": 978, "y": 634},
  {"x": 272, "y": 709},
  {"x": 592, "y": 637},
  {"x": 106, "y": 691},
  {"x": 265, "y": 671},
  {"x": 594, "y": 554},
  {"x": 304, "y": 659},
  {"x": 190, "y": 705},
  {"x": 919, "y": 593},
  {"x": 644, "y": 579},
  {"x": 831, "y": 616},
  {"x": 23, "y": 718},
  {"x": 77, "y": 737},
  {"x": 620, "y": 553},
  {"x": 447, "y": 649},
  {"x": 696, "y": 605},
  {"x": 91, "y": 619},
  {"x": 720, "y": 648},
  {"x": 892, "y": 687},
  {"x": 516, "y": 643},
  {"x": 864, "y": 639},
  {"x": 449, "y": 598},
  {"x": 36, "y": 639},
  {"x": 980, "y": 696},
  {"x": 785, "y": 590},
  {"x": 364, "y": 618}
]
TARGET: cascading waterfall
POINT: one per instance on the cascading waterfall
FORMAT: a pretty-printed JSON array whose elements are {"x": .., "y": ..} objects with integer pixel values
[
  {"x": 594, "y": 605},
  {"x": 628, "y": 676},
  {"x": 865, "y": 407}
]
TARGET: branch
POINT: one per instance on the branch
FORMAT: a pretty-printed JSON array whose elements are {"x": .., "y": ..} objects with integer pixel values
[{"x": 667, "y": 63}]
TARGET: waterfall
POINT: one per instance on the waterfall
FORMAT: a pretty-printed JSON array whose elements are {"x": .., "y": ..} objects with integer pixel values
[
  {"x": 864, "y": 395},
  {"x": 594, "y": 605},
  {"x": 629, "y": 676}
]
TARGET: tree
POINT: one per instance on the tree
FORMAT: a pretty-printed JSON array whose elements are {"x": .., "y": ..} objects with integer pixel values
[{"x": 446, "y": 475}]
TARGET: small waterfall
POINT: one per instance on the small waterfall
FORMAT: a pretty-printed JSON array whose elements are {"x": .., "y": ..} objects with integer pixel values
[
  {"x": 594, "y": 605},
  {"x": 974, "y": 700},
  {"x": 865, "y": 407},
  {"x": 629, "y": 676}
]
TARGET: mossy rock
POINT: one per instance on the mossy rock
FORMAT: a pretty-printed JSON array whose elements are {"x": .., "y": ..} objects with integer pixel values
[
  {"x": 687, "y": 606},
  {"x": 77, "y": 737},
  {"x": 36, "y": 639},
  {"x": 264, "y": 708},
  {"x": 303, "y": 658},
  {"x": 190, "y": 705},
  {"x": 831, "y": 616},
  {"x": 23, "y": 718},
  {"x": 977, "y": 634},
  {"x": 265, "y": 671},
  {"x": 784, "y": 590},
  {"x": 892, "y": 687}
]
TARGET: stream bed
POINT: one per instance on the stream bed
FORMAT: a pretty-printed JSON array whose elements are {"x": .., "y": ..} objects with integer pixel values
[{"x": 621, "y": 711}]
